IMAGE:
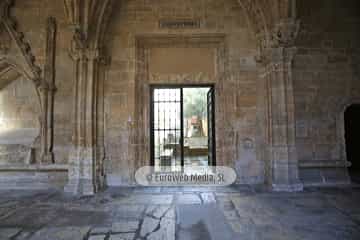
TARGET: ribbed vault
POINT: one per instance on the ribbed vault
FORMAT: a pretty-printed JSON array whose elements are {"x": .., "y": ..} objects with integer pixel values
[
  {"x": 89, "y": 18},
  {"x": 264, "y": 15},
  {"x": 269, "y": 21}
]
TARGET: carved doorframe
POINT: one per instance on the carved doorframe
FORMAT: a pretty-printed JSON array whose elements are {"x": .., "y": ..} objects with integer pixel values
[{"x": 140, "y": 139}]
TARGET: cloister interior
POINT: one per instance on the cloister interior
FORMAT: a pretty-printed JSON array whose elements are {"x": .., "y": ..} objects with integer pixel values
[{"x": 93, "y": 92}]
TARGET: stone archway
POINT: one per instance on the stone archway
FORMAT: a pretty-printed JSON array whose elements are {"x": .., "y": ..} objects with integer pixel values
[
  {"x": 17, "y": 61},
  {"x": 341, "y": 136},
  {"x": 88, "y": 20},
  {"x": 16, "y": 58},
  {"x": 20, "y": 117},
  {"x": 275, "y": 32}
]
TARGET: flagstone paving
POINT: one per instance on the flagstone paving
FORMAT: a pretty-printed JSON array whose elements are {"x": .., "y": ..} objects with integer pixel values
[{"x": 237, "y": 212}]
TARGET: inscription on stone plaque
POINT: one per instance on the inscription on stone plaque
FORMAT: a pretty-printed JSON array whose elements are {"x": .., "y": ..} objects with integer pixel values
[{"x": 179, "y": 23}]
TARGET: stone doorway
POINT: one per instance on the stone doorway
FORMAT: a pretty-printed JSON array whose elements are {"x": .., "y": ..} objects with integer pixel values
[
  {"x": 352, "y": 138},
  {"x": 182, "y": 126},
  {"x": 158, "y": 58}
]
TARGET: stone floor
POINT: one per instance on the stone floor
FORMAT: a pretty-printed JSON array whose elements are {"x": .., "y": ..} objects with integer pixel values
[{"x": 238, "y": 212}]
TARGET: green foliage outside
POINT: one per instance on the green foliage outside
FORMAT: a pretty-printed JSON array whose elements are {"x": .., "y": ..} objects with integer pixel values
[{"x": 195, "y": 102}]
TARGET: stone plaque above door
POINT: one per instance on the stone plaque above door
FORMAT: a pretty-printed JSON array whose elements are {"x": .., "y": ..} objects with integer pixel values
[{"x": 179, "y": 23}]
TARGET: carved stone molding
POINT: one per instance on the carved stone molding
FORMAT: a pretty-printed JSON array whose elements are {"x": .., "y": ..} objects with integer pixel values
[
  {"x": 280, "y": 48},
  {"x": 27, "y": 61},
  {"x": 88, "y": 21},
  {"x": 144, "y": 78},
  {"x": 277, "y": 59},
  {"x": 48, "y": 89},
  {"x": 255, "y": 15},
  {"x": 5, "y": 8},
  {"x": 181, "y": 78},
  {"x": 276, "y": 56},
  {"x": 285, "y": 33},
  {"x": 17, "y": 52},
  {"x": 5, "y": 41}
]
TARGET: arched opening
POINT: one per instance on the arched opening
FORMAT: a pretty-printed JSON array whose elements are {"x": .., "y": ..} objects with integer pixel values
[
  {"x": 20, "y": 113},
  {"x": 352, "y": 139}
]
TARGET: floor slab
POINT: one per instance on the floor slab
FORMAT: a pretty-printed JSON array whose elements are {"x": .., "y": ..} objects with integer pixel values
[{"x": 236, "y": 212}]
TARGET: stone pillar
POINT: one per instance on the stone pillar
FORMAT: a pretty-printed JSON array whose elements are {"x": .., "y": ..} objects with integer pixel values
[
  {"x": 277, "y": 57},
  {"x": 47, "y": 90},
  {"x": 44, "y": 89},
  {"x": 83, "y": 175},
  {"x": 88, "y": 21}
]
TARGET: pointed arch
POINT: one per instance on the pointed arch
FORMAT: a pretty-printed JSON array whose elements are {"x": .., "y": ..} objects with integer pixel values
[
  {"x": 24, "y": 59},
  {"x": 88, "y": 19}
]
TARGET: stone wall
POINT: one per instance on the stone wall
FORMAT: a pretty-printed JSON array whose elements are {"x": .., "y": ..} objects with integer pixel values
[
  {"x": 325, "y": 74},
  {"x": 19, "y": 121},
  {"x": 31, "y": 17},
  {"x": 127, "y": 134},
  {"x": 22, "y": 37},
  {"x": 20, "y": 106},
  {"x": 326, "y": 81}
]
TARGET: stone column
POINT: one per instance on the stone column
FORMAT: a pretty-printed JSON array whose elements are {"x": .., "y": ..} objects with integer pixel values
[
  {"x": 44, "y": 89},
  {"x": 88, "y": 21},
  {"x": 83, "y": 175},
  {"x": 48, "y": 89},
  {"x": 277, "y": 57}
]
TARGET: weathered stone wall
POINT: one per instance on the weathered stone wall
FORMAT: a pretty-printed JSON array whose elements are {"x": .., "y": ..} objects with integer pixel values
[
  {"x": 236, "y": 90},
  {"x": 20, "y": 106},
  {"x": 325, "y": 74},
  {"x": 20, "y": 163},
  {"x": 19, "y": 121},
  {"x": 31, "y": 17},
  {"x": 326, "y": 80}
]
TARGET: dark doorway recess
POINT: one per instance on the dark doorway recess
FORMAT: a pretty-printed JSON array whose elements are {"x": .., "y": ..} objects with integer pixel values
[
  {"x": 352, "y": 138},
  {"x": 182, "y": 127}
]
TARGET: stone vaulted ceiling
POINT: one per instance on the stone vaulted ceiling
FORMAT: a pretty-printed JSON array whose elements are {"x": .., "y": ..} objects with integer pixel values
[{"x": 89, "y": 17}]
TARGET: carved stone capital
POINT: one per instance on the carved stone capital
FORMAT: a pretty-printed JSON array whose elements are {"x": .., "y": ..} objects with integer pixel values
[
  {"x": 80, "y": 40},
  {"x": 51, "y": 25},
  {"x": 285, "y": 33},
  {"x": 92, "y": 54},
  {"x": 10, "y": 34},
  {"x": 104, "y": 58},
  {"x": 279, "y": 46},
  {"x": 78, "y": 45},
  {"x": 4, "y": 8}
]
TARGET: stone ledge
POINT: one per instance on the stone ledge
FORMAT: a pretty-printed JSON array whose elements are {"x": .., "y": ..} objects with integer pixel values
[
  {"x": 293, "y": 187},
  {"x": 324, "y": 163},
  {"x": 35, "y": 168}
]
